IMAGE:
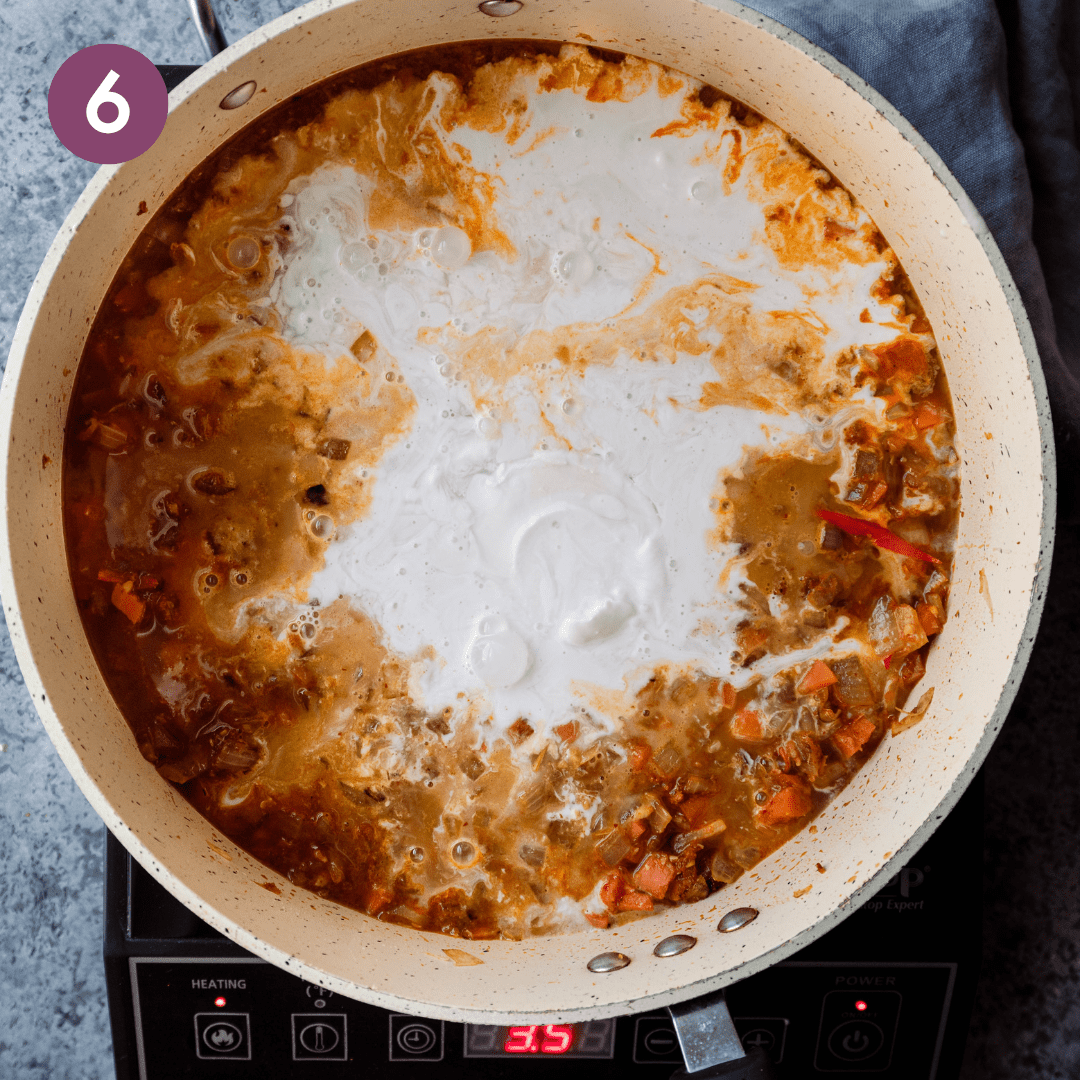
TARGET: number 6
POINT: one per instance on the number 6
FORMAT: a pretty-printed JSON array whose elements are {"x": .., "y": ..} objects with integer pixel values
[{"x": 105, "y": 93}]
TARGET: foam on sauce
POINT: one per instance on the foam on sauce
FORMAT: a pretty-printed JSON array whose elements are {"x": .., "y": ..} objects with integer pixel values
[
  {"x": 529, "y": 348},
  {"x": 546, "y": 522}
]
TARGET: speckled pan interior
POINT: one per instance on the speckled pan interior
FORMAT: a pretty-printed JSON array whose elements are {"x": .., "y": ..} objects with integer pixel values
[{"x": 1002, "y": 559}]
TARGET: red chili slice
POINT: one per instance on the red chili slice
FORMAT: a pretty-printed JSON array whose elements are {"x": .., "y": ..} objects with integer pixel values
[{"x": 878, "y": 533}]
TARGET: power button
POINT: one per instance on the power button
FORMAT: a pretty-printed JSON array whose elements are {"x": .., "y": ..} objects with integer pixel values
[
  {"x": 857, "y": 1031},
  {"x": 856, "y": 1040}
]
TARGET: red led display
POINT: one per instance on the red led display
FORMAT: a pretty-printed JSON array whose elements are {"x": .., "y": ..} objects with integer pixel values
[
  {"x": 556, "y": 1039},
  {"x": 542, "y": 1042}
]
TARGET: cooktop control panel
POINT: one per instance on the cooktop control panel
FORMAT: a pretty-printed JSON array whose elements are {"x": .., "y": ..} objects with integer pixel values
[
  {"x": 247, "y": 1016},
  {"x": 885, "y": 994}
]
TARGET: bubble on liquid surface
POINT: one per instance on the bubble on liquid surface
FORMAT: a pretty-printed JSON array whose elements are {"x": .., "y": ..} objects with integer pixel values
[
  {"x": 416, "y": 854},
  {"x": 574, "y": 268},
  {"x": 463, "y": 853},
  {"x": 703, "y": 191},
  {"x": 243, "y": 252},
  {"x": 498, "y": 655},
  {"x": 322, "y": 527},
  {"x": 451, "y": 248}
]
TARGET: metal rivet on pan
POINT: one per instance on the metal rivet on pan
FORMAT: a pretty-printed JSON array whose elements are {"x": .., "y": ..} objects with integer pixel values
[
  {"x": 240, "y": 96},
  {"x": 499, "y": 9},
  {"x": 674, "y": 945},
  {"x": 737, "y": 919},
  {"x": 608, "y": 961}
]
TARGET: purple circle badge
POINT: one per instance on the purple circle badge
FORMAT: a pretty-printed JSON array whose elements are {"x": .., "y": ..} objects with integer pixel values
[{"x": 108, "y": 104}]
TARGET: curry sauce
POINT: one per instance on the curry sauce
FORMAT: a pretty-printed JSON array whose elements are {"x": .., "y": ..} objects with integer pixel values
[{"x": 512, "y": 490}]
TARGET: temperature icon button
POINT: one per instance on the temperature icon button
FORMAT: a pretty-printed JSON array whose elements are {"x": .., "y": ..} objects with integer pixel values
[
  {"x": 320, "y": 1037},
  {"x": 223, "y": 1035}
]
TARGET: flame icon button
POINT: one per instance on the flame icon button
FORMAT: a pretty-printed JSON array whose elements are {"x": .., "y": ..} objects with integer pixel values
[{"x": 223, "y": 1035}]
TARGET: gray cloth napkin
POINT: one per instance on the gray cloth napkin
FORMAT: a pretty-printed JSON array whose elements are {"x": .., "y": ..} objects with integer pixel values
[{"x": 995, "y": 90}]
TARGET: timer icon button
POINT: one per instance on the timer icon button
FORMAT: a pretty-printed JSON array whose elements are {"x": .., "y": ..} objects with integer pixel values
[{"x": 414, "y": 1039}]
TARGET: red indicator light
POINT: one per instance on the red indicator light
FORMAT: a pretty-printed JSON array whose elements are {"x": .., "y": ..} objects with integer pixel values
[
  {"x": 556, "y": 1039},
  {"x": 861, "y": 1006},
  {"x": 219, "y": 1002}
]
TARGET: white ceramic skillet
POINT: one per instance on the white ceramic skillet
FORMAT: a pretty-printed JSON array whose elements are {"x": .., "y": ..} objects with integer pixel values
[{"x": 1001, "y": 568}]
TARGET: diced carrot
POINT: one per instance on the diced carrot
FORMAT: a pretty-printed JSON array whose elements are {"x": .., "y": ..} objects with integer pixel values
[
  {"x": 127, "y": 602},
  {"x": 790, "y": 802},
  {"x": 696, "y": 809},
  {"x": 903, "y": 359},
  {"x": 147, "y": 582},
  {"x": 751, "y": 638},
  {"x": 875, "y": 495},
  {"x": 818, "y": 677},
  {"x": 611, "y": 891},
  {"x": 746, "y": 724},
  {"x": 110, "y": 575},
  {"x": 636, "y": 829},
  {"x": 928, "y": 616},
  {"x": 600, "y": 920},
  {"x": 926, "y": 416},
  {"x": 635, "y": 901},
  {"x": 654, "y": 876},
  {"x": 639, "y": 756},
  {"x": 727, "y": 696},
  {"x": 852, "y": 736},
  {"x": 567, "y": 732},
  {"x": 378, "y": 899},
  {"x": 913, "y": 668}
]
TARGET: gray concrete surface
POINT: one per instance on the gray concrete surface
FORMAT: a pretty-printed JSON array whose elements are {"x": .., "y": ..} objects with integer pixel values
[{"x": 53, "y": 1018}]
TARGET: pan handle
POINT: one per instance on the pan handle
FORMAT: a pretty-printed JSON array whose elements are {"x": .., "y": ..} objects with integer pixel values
[
  {"x": 209, "y": 28},
  {"x": 711, "y": 1046}
]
